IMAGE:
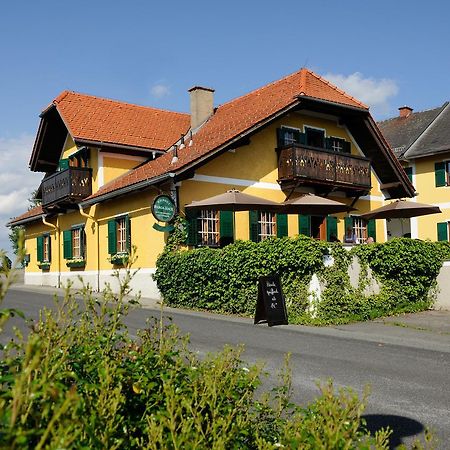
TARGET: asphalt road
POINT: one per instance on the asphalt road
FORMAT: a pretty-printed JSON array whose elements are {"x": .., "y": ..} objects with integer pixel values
[{"x": 407, "y": 367}]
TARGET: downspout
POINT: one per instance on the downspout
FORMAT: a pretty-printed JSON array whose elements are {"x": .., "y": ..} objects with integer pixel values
[
  {"x": 58, "y": 237},
  {"x": 98, "y": 242}
]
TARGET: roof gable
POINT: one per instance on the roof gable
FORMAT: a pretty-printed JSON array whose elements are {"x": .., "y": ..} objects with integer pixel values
[
  {"x": 109, "y": 121},
  {"x": 243, "y": 115},
  {"x": 403, "y": 132},
  {"x": 94, "y": 120}
]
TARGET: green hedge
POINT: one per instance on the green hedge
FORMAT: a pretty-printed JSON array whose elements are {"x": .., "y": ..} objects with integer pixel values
[{"x": 225, "y": 280}]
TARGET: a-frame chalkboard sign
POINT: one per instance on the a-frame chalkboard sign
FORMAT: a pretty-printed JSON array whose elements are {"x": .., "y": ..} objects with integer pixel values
[{"x": 270, "y": 307}]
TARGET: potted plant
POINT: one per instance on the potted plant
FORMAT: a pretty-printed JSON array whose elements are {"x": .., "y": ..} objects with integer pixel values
[
  {"x": 76, "y": 262},
  {"x": 44, "y": 265},
  {"x": 119, "y": 259}
]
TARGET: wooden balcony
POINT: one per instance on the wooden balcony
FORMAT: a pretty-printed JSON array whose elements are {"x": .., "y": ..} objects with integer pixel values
[
  {"x": 67, "y": 187},
  {"x": 309, "y": 166}
]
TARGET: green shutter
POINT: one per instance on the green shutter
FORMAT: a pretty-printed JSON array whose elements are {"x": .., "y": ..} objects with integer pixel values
[
  {"x": 372, "y": 229},
  {"x": 329, "y": 143},
  {"x": 82, "y": 242},
  {"x": 302, "y": 138},
  {"x": 112, "y": 237},
  {"x": 304, "y": 225},
  {"x": 442, "y": 231},
  {"x": 280, "y": 137},
  {"x": 439, "y": 174},
  {"x": 128, "y": 233},
  {"x": 226, "y": 226},
  {"x": 282, "y": 225},
  {"x": 49, "y": 247},
  {"x": 63, "y": 164},
  {"x": 254, "y": 226},
  {"x": 67, "y": 244},
  {"x": 348, "y": 232},
  {"x": 192, "y": 237},
  {"x": 40, "y": 248},
  {"x": 408, "y": 171},
  {"x": 346, "y": 147},
  {"x": 331, "y": 228}
]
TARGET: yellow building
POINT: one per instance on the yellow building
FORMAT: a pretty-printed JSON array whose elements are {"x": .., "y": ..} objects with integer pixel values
[
  {"x": 421, "y": 142},
  {"x": 105, "y": 163}
]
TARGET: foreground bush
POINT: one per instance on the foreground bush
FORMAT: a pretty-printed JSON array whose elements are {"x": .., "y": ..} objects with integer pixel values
[
  {"x": 225, "y": 280},
  {"x": 79, "y": 380}
]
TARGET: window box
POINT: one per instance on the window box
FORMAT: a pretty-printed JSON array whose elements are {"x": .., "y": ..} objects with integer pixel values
[
  {"x": 119, "y": 259},
  {"x": 44, "y": 265},
  {"x": 76, "y": 263}
]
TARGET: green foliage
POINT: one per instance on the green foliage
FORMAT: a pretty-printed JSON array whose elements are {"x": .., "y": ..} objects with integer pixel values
[
  {"x": 225, "y": 280},
  {"x": 80, "y": 381}
]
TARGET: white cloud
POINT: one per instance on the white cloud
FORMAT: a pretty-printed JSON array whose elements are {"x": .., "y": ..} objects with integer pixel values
[
  {"x": 160, "y": 90},
  {"x": 17, "y": 182},
  {"x": 375, "y": 93}
]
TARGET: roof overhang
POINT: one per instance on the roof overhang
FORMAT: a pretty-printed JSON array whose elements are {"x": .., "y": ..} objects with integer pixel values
[
  {"x": 126, "y": 190},
  {"x": 17, "y": 223}
]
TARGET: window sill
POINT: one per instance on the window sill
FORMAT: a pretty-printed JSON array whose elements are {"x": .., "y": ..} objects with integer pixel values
[
  {"x": 119, "y": 259},
  {"x": 76, "y": 263}
]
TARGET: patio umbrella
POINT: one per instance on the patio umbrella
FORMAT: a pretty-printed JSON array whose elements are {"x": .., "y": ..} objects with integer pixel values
[
  {"x": 310, "y": 204},
  {"x": 401, "y": 209},
  {"x": 234, "y": 200}
]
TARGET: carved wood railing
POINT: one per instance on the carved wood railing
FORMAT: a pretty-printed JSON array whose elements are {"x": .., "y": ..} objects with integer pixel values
[
  {"x": 69, "y": 186},
  {"x": 299, "y": 162}
]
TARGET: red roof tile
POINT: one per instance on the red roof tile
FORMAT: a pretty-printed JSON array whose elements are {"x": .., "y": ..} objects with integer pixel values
[
  {"x": 34, "y": 212},
  {"x": 236, "y": 117},
  {"x": 102, "y": 120}
]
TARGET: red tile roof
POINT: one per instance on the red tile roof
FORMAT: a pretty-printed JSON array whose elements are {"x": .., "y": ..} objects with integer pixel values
[
  {"x": 102, "y": 120},
  {"x": 236, "y": 117},
  {"x": 34, "y": 212}
]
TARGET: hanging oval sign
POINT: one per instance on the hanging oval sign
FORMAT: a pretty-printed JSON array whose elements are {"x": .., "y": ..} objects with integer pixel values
[{"x": 163, "y": 208}]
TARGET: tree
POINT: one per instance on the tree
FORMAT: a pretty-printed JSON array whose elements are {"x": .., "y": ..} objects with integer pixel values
[{"x": 17, "y": 230}]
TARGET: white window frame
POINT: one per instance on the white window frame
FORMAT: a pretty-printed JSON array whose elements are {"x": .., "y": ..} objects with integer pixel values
[
  {"x": 121, "y": 235},
  {"x": 46, "y": 248},
  {"x": 267, "y": 225},
  {"x": 209, "y": 228}
]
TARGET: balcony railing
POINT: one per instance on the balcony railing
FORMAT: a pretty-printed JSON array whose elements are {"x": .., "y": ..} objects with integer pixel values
[
  {"x": 300, "y": 163},
  {"x": 67, "y": 187}
]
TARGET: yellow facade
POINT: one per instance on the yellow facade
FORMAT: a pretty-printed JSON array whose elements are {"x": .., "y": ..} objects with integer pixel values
[
  {"x": 423, "y": 178},
  {"x": 251, "y": 168}
]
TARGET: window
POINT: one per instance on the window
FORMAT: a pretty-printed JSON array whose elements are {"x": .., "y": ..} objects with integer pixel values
[
  {"x": 318, "y": 227},
  {"x": 44, "y": 248},
  {"x": 210, "y": 228},
  {"x": 74, "y": 243},
  {"x": 264, "y": 224},
  {"x": 336, "y": 144},
  {"x": 357, "y": 230},
  {"x": 288, "y": 136},
  {"x": 315, "y": 137},
  {"x": 267, "y": 225},
  {"x": 442, "y": 173},
  {"x": 119, "y": 235}
]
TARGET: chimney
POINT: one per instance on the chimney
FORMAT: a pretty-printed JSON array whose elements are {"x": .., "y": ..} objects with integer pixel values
[
  {"x": 405, "y": 111},
  {"x": 202, "y": 105}
]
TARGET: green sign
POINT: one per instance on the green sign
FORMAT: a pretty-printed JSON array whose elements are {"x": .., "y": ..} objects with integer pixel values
[{"x": 163, "y": 208}]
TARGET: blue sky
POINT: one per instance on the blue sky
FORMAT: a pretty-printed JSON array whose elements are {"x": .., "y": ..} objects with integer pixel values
[{"x": 386, "y": 53}]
